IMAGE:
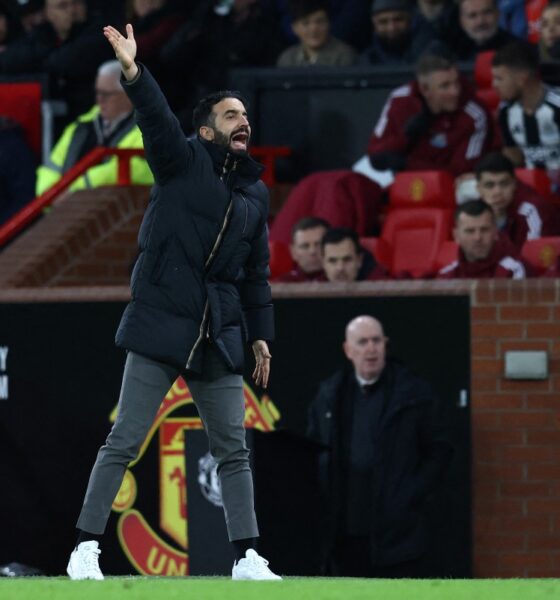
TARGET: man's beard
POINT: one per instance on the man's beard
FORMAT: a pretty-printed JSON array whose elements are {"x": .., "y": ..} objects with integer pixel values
[
  {"x": 221, "y": 139},
  {"x": 395, "y": 45}
]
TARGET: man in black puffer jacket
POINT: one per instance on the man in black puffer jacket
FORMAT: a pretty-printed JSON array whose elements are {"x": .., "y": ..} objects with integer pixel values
[
  {"x": 384, "y": 455},
  {"x": 200, "y": 281}
]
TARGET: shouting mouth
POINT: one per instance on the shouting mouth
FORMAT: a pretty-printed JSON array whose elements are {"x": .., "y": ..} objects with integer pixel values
[{"x": 240, "y": 140}]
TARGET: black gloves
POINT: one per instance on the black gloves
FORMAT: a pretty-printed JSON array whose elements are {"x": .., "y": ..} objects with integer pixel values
[
  {"x": 418, "y": 124},
  {"x": 388, "y": 160}
]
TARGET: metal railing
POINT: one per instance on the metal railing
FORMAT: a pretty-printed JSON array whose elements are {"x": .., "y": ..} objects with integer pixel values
[{"x": 33, "y": 210}]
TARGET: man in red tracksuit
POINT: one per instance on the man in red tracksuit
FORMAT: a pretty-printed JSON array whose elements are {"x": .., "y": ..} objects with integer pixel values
[
  {"x": 482, "y": 254},
  {"x": 521, "y": 213},
  {"x": 434, "y": 122}
]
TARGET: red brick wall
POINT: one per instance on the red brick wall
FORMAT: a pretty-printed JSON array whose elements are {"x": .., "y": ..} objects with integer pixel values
[
  {"x": 87, "y": 239},
  {"x": 515, "y": 424},
  {"x": 516, "y": 432}
]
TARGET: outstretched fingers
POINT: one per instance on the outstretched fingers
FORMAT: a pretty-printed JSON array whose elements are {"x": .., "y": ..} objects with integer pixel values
[{"x": 112, "y": 35}]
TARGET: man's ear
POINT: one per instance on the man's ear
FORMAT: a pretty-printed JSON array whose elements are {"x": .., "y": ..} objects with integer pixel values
[{"x": 206, "y": 133}]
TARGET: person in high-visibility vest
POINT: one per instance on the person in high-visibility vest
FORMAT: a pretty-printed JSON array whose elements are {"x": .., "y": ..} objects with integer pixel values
[{"x": 110, "y": 122}]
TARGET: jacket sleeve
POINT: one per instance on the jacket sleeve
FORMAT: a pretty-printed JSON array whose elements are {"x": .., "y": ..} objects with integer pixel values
[
  {"x": 388, "y": 134},
  {"x": 476, "y": 141},
  {"x": 256, "y": 297},
  {"x": 167, "y": 149}
]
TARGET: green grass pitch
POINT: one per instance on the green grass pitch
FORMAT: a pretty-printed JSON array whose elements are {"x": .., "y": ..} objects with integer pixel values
[{"x": 292, "y": 588}]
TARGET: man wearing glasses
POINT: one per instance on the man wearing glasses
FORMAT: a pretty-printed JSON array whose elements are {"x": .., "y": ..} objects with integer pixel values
[{"x": 109, "y": 123}]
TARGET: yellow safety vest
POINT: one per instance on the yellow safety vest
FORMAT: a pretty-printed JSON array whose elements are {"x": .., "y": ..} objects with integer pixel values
[{"x": 104, "y": 173}]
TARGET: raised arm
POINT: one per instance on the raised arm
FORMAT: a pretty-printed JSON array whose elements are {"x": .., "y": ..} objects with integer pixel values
[{"x": 167, "y": 149}]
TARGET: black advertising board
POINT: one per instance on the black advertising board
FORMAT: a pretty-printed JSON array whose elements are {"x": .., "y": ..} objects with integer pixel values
[{"x": 59, "y": 383}]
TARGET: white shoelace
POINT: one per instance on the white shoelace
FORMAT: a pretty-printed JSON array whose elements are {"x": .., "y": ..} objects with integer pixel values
[
  {"x": 91, "y": 559},
  {"x": 260, "y": 563}
]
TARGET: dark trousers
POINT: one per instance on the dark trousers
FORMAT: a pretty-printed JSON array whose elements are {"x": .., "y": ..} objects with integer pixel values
[{"x": 218, "y": 396}]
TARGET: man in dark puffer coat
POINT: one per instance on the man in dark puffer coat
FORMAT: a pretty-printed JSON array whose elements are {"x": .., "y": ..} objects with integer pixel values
[
  {"x": 201, "y": 274},
  {"x": 384, "y": 454}
]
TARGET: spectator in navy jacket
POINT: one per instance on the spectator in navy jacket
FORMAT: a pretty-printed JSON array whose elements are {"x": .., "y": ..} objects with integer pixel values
[
  {"x": 395, "y": 40},
  {"x": 17, "y": 170}
]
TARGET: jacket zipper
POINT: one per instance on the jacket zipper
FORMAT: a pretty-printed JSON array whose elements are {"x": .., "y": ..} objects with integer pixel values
[
  {"x": 203, "y": 330},
  {"x": 246, "y": 212}
]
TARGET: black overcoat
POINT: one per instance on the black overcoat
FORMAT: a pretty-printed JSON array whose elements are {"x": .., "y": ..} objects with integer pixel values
[
  {"x": 203, "y": 264},
  {"x": 412, "y": 451}
]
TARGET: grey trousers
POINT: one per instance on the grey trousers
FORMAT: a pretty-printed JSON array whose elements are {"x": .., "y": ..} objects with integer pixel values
[{"x": 218, "y": 396}]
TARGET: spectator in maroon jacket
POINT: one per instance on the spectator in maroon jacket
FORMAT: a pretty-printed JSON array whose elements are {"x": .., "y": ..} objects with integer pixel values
[
  {"x": 435, "y": 122},
  {"x": 305, "y": 249},
  {"x": 521, "y": 214},
  {"x": 344, "y": 259},
  {"x": 482, "y": 254}
]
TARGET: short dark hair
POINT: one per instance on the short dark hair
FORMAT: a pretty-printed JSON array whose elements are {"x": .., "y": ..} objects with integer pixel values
[
  {"x": 309, "y": 223},
  {"x": 518, "y": 55},
  {"x": 339, "y": 234},
  {"x": 299, "y": 9},
  {"x": 202, "y": 113},
  {"x": 494, "y": 162},
  {"x": 473, "y": 208},
  {"x": 430, "y": 62}
]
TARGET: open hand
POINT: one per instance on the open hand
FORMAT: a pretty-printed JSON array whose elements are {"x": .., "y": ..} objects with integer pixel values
[
  {"x": 262, "y": 358},
  {"x": 125, "y": 49}
]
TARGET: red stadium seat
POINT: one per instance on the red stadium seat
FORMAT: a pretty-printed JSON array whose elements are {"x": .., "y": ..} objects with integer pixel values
[
  {"x": 422, "y": 189},
  {"x": 483, "y": 69},
  {"x": 541, "y": 254},
  {"x": 447, "y": 253},
  {"x": 22, "y": 102},
  {"x": 489, "y": 97},
  {"x": 538, "y": 180},
  {"x": 280, "y": 259},
  {"x": 413, "y": 238}
]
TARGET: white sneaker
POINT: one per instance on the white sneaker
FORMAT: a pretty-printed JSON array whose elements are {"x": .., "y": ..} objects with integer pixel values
[
  {"x": 253, "y": 567},
  {"x": 84, "y": 562}
]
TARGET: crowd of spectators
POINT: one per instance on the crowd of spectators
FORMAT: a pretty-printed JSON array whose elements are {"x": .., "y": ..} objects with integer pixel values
[
  {"x": 190, "y": 47},
  {"x": 438, "y": 120}
]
